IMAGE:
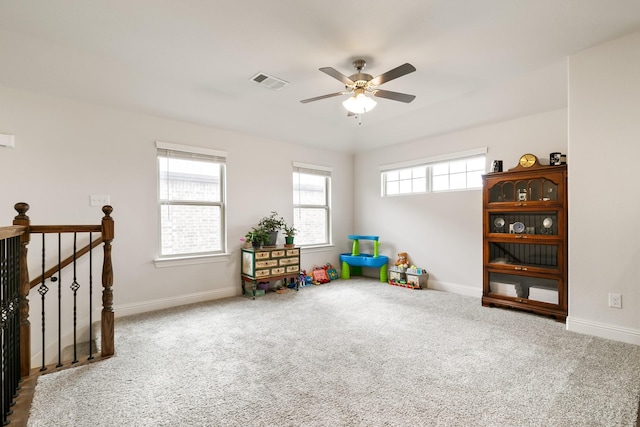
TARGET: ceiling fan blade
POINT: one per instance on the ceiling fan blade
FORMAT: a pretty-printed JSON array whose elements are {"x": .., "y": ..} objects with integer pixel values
[
  {"x": 318, "y": 98},
  {"x": 396, "y": 96},
  {"x": 337, "y": 75},
  {"x": 393, "y": 74}
]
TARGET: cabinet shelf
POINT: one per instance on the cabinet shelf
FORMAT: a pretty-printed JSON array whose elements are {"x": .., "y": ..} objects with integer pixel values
[
  {"x": 525, "y": 240},
  {"x": 531, "y": 238}
]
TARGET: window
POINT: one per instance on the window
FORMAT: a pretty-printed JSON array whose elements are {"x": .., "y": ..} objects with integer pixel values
[
  {"x": 311, "y": 210},
  {"x": 406, "y": 181},
  {"x": 191, "y": 200},
  {"x": 457, "y": 171},
  {"x": 458, "y": 174}
]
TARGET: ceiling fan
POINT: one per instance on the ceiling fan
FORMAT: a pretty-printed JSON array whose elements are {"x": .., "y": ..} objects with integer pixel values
[{"x": 361, "y": 83}]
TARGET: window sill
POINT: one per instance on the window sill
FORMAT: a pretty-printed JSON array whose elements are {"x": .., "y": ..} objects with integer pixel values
[
  {"x": 317, "y": 248},
  {"x": 190, "y": 260}
]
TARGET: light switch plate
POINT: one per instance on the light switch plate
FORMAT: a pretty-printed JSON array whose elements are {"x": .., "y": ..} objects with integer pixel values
[
  {"x": 7, "y": 140},
  {"x": 99, "y": 200}
]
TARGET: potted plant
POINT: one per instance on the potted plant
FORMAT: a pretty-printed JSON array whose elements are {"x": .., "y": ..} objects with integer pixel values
[
  {"x": 257, "y": 237},
  {"x": 271, "y": 225},
  {"x": 289, "y": 233}
]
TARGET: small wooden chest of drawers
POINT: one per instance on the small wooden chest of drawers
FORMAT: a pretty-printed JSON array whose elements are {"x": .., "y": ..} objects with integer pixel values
[{"x": 266, "y": 264}]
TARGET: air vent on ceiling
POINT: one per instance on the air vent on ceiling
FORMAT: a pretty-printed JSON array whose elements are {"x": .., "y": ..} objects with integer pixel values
[{"x": 270, "y": 82}]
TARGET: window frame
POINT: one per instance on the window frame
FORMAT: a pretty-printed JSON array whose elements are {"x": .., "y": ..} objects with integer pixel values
[
  {"x": 467, "y": 173},
  {"x": 317, "y": 170},
  {"x": 428, "y": 164},
  {"x": 412, "y": 180},
  {"x": 186, "y": 152}
]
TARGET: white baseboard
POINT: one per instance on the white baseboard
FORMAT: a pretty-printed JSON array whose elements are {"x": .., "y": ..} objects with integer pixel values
[
  {"x": 587, "y": 327},
  {"x": 159, "y": 304},
  {"x": 603, "y": 330},
  {"x": 454, "y": 288}
]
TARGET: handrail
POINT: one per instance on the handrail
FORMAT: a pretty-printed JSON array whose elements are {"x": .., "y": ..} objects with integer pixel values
[
  {"x": 50, "y": 272},
  {"x": 65, "y": 228},
  {"x": 11, "y": 231}
]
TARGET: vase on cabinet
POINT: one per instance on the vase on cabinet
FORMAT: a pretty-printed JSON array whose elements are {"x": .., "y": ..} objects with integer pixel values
[{"x": 288, "y": 242}]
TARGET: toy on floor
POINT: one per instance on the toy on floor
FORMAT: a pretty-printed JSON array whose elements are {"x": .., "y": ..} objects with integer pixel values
[
  {"x": 356, "y": 260},
  {"x": 303, "y": 279},
  {"x": 400, "y": 274},
  {"x": 293, "y": 283},
  {"x": 320, "y": 275},
  {"x": 331, "y": 272},
  {"x": 402, "y": 261}
]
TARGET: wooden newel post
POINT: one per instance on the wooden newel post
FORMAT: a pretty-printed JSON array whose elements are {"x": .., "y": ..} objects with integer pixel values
[
  {"x": 107, "y": 282},
  {"x": 24, "y": 288}
]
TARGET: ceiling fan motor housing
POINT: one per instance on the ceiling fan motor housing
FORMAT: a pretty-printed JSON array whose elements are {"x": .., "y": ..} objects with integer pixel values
[{"x": 359, "y": 80}]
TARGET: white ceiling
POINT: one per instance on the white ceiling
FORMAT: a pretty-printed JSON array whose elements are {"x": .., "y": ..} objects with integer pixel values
[{"x": 477, "y": 61}]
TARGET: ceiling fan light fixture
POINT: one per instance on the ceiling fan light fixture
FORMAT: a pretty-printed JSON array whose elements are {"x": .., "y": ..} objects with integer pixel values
[{"x": 359, "y": 103}]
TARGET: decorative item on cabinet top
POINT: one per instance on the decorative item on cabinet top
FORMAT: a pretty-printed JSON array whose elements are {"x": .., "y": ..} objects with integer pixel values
[
  {"x": 531, "y": 161},
  {"x": 289, "y": 235},
  {"x": 266, "y": 232},
  {"x": 527, "y": 161},
  {"x": 557, "y": 159}
]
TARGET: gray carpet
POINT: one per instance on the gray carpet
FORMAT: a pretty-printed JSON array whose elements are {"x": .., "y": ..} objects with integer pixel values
[{"x": 347, "y": 353}]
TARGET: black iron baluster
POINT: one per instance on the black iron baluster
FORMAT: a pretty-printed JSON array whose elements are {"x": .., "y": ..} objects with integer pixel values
[
  {"x": 59, "y": 280},
  {"x": 9, "y": 324},
  {"x": 74, "y": 287},
  {"x": 90, "y": 295},
  {"x": 14, "y": 290},
  {"x": 3, "y": 355},
  {"x": 42, "y": 290}
]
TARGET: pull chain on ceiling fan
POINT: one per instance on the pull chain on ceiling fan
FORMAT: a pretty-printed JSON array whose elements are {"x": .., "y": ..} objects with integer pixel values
[{"x": 361, "y": 83}]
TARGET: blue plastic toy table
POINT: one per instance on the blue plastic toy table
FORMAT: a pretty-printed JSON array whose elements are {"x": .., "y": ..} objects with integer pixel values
[{"x": 357, "y": 260}]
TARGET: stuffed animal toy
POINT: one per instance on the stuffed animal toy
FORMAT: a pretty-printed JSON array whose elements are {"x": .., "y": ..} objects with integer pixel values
[{"x": 402, "y": 261}]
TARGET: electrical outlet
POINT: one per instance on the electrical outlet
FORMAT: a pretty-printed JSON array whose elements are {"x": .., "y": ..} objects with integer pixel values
[
  {"x": 615, "y": 300},
  {"x": 99, "y": 200}
]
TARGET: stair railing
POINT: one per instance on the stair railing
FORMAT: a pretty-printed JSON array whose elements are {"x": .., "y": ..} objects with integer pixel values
[
  {"x": 10, "y": 316},
  {"x": 15, "y": 287},
  {"x": 106, "y": 235}
]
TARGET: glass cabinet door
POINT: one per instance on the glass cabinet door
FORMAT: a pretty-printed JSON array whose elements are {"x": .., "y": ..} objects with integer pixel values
[
  {"x": 524, "y": 256},
  {"x": 524, "y": 190},
  {"x": 526, "y": 287},
  {"x": 549, "y": 191},
  {"x": 527, "y": 223}
]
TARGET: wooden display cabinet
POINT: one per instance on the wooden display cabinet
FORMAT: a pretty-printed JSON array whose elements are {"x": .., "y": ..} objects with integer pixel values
[{"x": 525, "y": 240}]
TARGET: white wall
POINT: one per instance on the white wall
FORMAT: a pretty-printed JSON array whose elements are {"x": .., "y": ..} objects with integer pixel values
[
  {"x": 67, "y": 150},
  {"x": 604, "y": 201},
  {"x": 442, "y": 232}
]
